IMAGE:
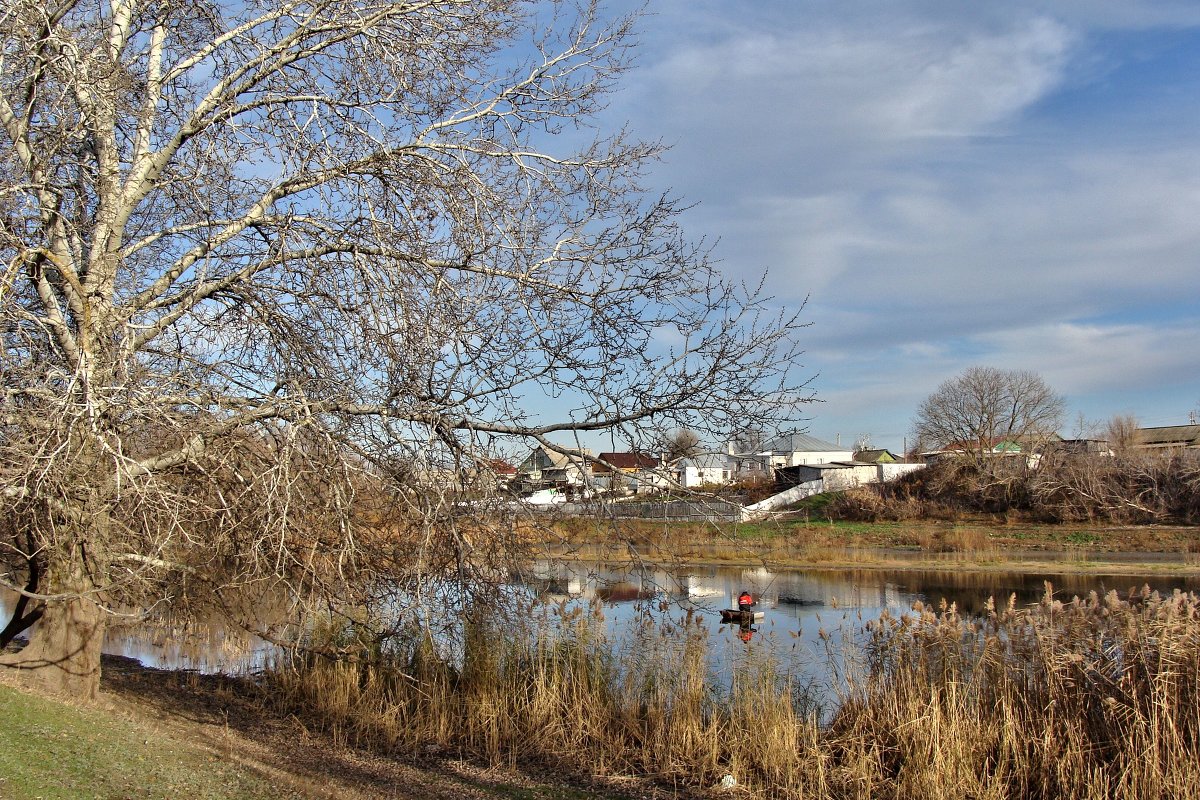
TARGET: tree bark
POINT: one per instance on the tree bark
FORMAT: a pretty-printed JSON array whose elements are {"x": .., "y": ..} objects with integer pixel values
[{"x": 63, "y": 655}]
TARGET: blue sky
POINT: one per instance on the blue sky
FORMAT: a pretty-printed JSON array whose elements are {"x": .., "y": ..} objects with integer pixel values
[{"x": 949, "y": 184}]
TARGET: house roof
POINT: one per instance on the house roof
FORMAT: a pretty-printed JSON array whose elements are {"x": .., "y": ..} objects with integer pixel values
[
  {"x": 498, "y": 466},
  {"x": 558, "y": 460},
  {"x": 706, "y": 461},
  {"x": 802, "y": 443},
  {"x": 1169, "y": 436},
  {"x": 1001, "y": 444},
  {"x": 875, "y": 455},
  {"x": 626, "y": 461}
]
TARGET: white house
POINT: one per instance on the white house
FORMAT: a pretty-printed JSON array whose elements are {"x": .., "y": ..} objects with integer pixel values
[
  {"x": 793, "y": 449},
  {"x": 787, "y": 450},
  {"x": 709, "y": 468}
]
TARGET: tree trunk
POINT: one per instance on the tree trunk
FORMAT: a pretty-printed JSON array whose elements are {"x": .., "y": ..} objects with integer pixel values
[{"x": 63, "y": 655}]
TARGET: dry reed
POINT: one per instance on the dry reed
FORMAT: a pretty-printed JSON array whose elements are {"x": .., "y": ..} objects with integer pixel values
[{"x": 1095, "y": 698}]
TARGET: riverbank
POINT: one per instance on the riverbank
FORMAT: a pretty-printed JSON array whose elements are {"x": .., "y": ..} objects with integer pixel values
[
  {"x": 170, "y": 734},
  {"x": 1095, "y": 698},
  {"x": 980, "y": 544},
  {"x": 162, "y": 734}
]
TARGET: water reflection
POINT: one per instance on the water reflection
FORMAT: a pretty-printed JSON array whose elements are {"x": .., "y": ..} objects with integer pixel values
[
  {"x": 809, "y": 614},
  {"x": 813, "y": 618},
  {"x": 798, "y": 593},
  {"x": 208, "y": 646}
]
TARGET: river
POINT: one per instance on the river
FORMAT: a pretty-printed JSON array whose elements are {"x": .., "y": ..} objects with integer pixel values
[{"x": 807, "y": 613}]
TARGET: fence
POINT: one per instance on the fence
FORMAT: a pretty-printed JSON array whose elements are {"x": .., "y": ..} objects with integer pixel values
[{"x": 671, "y": 510}]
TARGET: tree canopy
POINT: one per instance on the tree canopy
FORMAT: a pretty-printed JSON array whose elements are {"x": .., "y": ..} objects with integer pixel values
[
  {"x": 277, "y": 273},
  {"x": 984, "y": 408}
]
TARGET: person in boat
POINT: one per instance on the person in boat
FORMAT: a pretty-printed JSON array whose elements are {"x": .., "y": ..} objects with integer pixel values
[{"x": 745, "y": 601}]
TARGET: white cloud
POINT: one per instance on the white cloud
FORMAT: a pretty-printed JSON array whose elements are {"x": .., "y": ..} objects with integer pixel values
[
  {"x": 872, "y": 85},
  {"x": 1087, "y": 359},
  {"x": 949, "y": 181},
  {"x": 968, "y": 87}
]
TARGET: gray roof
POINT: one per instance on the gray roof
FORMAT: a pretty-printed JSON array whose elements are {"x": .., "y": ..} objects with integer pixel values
[
  {"x": 1170, "y": 435},
  {"x": 802, "y": 443},
  {"x": 706, "y": 461}
]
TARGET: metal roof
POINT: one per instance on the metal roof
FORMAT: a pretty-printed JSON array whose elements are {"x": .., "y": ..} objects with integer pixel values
[
  {"x": 802, "y": 443},
  {"x": 707, "y": 461},
  {"x": 1179, "y": 435}
]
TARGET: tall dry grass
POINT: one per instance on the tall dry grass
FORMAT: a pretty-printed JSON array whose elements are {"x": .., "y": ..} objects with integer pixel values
[{"x": 1095, "y": 698}]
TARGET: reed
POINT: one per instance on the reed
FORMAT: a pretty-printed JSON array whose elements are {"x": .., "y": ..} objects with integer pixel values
[{"x": 1094, "y": 698}]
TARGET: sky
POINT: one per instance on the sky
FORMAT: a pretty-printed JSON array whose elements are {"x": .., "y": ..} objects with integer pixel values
[{"x": 946, "y": 184}]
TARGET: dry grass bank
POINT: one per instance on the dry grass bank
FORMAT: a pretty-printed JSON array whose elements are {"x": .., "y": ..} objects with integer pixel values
[{"x": 976, "y": 541}]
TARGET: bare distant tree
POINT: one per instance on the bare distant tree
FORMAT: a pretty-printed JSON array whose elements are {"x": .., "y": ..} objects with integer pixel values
[
  {"x": 273, "y": 274},
  {"x": 985, "y": 406},
  {"x": 750, "y": 439},
  {"x": 1122, "y": 432},
  {"x": 681, "y": 443}
]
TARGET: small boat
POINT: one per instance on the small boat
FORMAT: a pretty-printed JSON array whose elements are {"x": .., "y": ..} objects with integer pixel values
[{"x": 737, "y": 615}]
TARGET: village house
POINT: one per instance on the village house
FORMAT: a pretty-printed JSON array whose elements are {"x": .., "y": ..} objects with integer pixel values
[
  {"x": 708, "y": 469},
  {"x": 787, "y": 450},
  {"x": 488, "y": 474},
  {"x": 1028, "y": 447},
  {"x": 628, "y": 472},
  {"x": 883, "y": 456},
  {"x": 793, "y": 449},
  {"x": 1169, "y": 437},
  {"x": 545, "y": 468}
]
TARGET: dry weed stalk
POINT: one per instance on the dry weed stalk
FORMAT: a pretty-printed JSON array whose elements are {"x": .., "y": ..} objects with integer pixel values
[{"x": 1098, "y": 697}]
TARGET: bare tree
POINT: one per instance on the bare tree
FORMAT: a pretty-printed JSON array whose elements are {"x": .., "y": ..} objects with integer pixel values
[
  {"x": 680, "y": 443},
  {"x": 1122, "y": 432},
  {"x": 750, "y": 438},
  {"x": 984, "y": 407},
  {"x": 272, "y": 271}
]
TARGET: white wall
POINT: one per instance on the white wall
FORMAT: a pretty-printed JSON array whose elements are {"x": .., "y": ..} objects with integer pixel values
[
  {"x": 839, "y": 479},
  {"x": 818, "y": 457},
  {"x": 690, "y": 477},
  {"x": 785, "y": 498},
  {"x": 889, "y": 471}
]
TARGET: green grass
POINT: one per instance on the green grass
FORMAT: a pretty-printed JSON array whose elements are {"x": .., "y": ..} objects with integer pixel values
[
  {"x": 1081, "y": 538},
  {"x": 53, "y": 751}
]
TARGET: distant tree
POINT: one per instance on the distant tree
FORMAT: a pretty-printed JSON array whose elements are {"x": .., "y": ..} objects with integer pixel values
[
  {"x": 1085, "y": 428},
  {"x": 749, "y": 439},
  {"x": 985, "y": 406},
  {"x": 1121, "y": 432},
  {"x": 863, "y": 442},
  {"x": 680, "y": 443}
]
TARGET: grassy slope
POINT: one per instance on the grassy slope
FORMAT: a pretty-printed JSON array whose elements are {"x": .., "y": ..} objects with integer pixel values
[
  {"x": 56, "y": 751},
  {"x": 163, "y": 735}
]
